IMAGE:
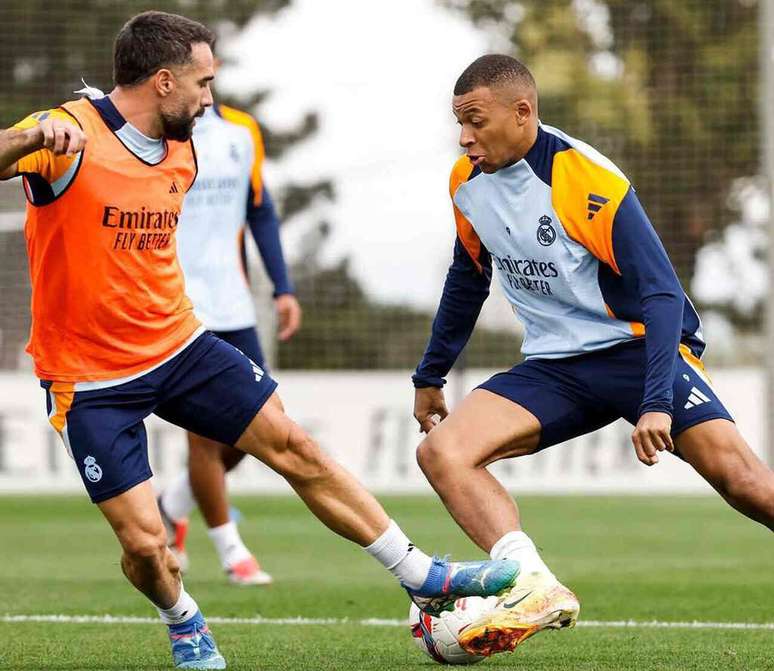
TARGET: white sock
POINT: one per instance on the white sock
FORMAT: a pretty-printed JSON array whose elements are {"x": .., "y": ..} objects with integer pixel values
[
  {"x": 228, "y": 544},
  {"x": 517, "y": 545},
  {"x": 398, "y": 555},
  {"x": 177, "y": 499},
  {"x": 183, "y": 610}
]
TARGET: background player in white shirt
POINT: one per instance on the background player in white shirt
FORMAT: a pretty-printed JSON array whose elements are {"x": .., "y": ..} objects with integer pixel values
[{"x": 227, "y": 197}]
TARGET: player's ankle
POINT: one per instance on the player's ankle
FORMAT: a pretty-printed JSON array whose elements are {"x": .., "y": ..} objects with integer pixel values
[
  {"x": 183, "y": 610},
  {"x": 399, "y": 556},
  {"x": 518, "y": 546},
  {"x": 228, "y": 544}
]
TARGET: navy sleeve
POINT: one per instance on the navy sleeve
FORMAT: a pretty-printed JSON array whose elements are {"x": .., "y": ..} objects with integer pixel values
[
  {"x": 264, "y": 225},
  {"x": 464, "y": 293},
  {"x": 640, "y": 254}
]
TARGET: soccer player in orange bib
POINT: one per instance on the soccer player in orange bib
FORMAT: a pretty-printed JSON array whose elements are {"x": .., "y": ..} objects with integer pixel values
[
  {"x": 114, "y": 337},
  {"x": 609, "y": 333}
]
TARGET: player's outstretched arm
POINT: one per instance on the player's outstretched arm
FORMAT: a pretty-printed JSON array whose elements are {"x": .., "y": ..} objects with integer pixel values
[
  {"x": 464, "y": 292},
  {"x": 264, "y": 225},
  {"x": 639, "y": 253},
  {"x": 59, "y": 136}
]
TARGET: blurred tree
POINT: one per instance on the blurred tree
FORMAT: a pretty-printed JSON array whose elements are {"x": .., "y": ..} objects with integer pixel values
[
  {"x": 666, "y": 89},
  {"x": 45, "y": 49},
  {"x": 343, "y": 328}
]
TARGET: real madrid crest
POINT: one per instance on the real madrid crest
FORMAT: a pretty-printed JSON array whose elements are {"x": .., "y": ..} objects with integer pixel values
[
  {"x": 93, "y": 471},
  {"x": 546, "y": 233}
]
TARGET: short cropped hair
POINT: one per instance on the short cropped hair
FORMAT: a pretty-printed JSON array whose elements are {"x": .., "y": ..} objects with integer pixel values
[
  {"x": 491, "y": 70},
  {"x": 151, "y": 41}
]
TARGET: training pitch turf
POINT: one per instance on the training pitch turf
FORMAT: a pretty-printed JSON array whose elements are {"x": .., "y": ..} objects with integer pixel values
[{"x": 644, "y": 559}]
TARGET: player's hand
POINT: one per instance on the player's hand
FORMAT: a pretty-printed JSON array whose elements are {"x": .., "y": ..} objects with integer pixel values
[
  {"x": 429, "y": 407},
  {"x": 652, "y": 435},
  {"x": 60, "y": 136},
  {"x": 288, "y": 314}
]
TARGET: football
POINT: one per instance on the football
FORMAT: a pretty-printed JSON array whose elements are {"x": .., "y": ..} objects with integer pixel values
[{"x": 437, "y": 636}]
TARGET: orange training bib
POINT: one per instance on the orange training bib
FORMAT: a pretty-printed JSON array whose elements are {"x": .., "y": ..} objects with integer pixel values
[{"x": 108, "y": 296}]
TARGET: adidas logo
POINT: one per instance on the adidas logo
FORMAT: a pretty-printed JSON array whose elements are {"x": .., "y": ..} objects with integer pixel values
[
  {"x": 595, "y": 204},
  {"x": 258, "y": 372},
  {"x": 696, "y": 397},
  {"x": 174, "y": 188}
]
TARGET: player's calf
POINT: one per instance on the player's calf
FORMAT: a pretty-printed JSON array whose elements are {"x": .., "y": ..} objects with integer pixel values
[
  {"x": 299, "y": 458},
  {"x": 150, "y": 566}
]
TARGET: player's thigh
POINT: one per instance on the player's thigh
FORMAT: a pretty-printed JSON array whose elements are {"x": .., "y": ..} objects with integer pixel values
[
  {"x": 135, "y": 519},
  {"x": 533, "y": 406},
  {"x": 277, "y": 441},
  {"x": 706, "y": 435},
  {"x": 719, "y": 453},
  {"x": 104, "y": 433},
  {"x": 217, "y": 393},
  {"x": 483, "y": 428}
]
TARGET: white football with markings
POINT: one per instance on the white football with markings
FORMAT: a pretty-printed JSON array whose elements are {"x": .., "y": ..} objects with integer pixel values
[{"x": 438, "y": 637}]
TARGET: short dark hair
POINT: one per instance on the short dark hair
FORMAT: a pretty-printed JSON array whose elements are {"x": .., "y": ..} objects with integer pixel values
[
  {"x": 491, "y": 70},
  {"x": 154, "y": 40}
]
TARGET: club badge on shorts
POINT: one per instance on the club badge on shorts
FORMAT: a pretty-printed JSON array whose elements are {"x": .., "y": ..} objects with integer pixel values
[{"x": 93, "y": 471}]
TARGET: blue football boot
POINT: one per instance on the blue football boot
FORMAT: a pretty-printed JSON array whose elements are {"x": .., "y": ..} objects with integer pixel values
[
  {"x": 448, "y": 581},
  {"x": 193, "y": 646}
]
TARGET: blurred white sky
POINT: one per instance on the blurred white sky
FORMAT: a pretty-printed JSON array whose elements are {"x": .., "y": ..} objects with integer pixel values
[{"x": 380, "y": 75}]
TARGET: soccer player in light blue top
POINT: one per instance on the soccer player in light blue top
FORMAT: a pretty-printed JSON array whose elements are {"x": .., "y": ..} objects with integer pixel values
[{"x": 609, "y": 333}]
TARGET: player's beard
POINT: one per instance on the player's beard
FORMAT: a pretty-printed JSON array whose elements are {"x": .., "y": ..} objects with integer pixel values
[{"x": 179, "y": 127}]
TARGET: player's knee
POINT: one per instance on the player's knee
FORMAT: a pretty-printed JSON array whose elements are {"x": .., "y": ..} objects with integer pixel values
[
  {"x": 146, "y": 544},
  {"x": 437, "y": 453}
]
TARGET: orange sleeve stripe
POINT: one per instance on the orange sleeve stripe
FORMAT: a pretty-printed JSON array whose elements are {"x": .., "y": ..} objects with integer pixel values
[
  {"x": 63, "y": 400},
  {"x": 465, "y": 231},
  {"x": 43, "y": 162},
  {"x": 586, "y": 197},
  {"x": 240, "y": 118}
]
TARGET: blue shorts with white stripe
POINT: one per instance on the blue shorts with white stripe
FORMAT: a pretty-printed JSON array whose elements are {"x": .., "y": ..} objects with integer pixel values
[
  {"x": 210, "y": 388},
  {"x": 579, "y": 394}
]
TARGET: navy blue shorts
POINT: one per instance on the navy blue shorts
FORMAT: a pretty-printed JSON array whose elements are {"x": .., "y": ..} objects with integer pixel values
[
  {"x": 246, "y": 341},
  {"x": 579, "y": 394},
  {"x": 210, "y": 388}
]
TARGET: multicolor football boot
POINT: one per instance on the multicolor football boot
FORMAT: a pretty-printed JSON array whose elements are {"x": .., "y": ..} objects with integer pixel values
[
  {"x": 248, "y": 572},
  {"x": 536, "y": 602},
  {"x": 193, "y": 646},
  {"x": 448, "y": 581}
]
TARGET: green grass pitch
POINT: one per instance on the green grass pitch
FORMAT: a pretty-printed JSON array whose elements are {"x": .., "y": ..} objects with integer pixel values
[{"x": 650, "y": 558}]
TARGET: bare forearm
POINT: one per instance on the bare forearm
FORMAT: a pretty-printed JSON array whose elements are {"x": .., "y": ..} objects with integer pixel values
[{"x": 16, "y": 144}]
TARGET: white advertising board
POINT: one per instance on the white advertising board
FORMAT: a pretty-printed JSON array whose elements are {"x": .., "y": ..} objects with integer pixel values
[{"x": 364, "y": 420}]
